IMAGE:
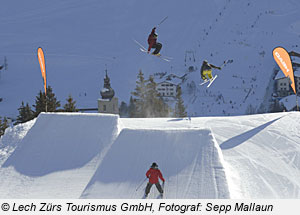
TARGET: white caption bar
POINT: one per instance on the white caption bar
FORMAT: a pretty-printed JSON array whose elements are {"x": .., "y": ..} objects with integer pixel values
[{"x": 148, "y": 206}]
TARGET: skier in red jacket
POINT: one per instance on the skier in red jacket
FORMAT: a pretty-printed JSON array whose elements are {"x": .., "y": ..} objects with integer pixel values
[
  {"x": 153, "y": 174},
  {"x": 153, "y": 44}
]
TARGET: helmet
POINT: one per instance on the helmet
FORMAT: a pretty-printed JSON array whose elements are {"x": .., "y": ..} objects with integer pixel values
[{"x": 154, "y": 165}]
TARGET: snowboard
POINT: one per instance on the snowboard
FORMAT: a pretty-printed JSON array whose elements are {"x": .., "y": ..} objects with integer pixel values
[{"x": 143, "y": 49}]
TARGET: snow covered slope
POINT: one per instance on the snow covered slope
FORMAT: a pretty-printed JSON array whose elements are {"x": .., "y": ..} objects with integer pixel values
[
  {"x": 58, "y": 156},
  {"x": 100, "y": 156},
  {"x": 192, "y": 169},
  {"x": 82, "y": 39}
]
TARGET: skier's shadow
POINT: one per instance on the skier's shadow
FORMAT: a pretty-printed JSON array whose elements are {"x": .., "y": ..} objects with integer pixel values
[{"x": 238, "y": 140}]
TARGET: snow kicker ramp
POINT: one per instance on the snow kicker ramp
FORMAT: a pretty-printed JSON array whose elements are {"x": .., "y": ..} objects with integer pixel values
[
  {"x": 188, "y": 158},
  {"x": 262, "y": 153},
  {"x": 58, "y": 156}
]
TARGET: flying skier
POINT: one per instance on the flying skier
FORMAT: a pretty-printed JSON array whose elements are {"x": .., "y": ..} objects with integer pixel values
[
  {"x": 153, "y": 174},
  {"x": 153, "y": 44},
  {"x": 206, "y": 70}
]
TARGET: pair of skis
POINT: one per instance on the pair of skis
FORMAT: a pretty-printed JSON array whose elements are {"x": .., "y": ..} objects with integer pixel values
[
  {"x": 159, "y": 196},
  {"x": 143, "y": 49},
  {"x": 209, "y": 80}
]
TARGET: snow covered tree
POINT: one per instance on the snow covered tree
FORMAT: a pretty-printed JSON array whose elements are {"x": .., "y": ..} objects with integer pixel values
[
  {"x": 3, "y": 125},
  {"x": 140, "y": 95},
  {"x": 70, "y": 105},
  {"x": 25, "y": 113},
  {"x": 179, "y": 108},
  {"x": 42, "y": 101}
]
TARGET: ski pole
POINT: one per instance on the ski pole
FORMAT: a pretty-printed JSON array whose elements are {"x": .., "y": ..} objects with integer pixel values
[
  {"x": 226, "y": 62},
  {"x": 162, "y": 21},
  {"x": 140, "y": 184}
]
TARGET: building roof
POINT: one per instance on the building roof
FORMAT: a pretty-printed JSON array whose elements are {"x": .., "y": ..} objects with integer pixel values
[
  {"x": 281, "y": 75},
  {"x": 173, "y": 81},
  {"x": 289, "y": 101}
]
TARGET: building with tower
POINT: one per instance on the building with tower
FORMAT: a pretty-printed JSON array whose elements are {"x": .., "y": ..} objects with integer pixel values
[{"x": 108, "y": 103}]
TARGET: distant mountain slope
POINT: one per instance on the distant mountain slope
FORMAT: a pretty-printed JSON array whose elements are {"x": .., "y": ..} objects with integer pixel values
[{"x": 82, "y": 39}]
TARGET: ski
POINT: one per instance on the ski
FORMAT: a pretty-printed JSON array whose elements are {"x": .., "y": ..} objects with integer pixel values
[
  {"x": 160, "y": 196},
  {"x": 141, "y": 46},
  {"x": 160, "y": 56},
  {"x": 143, "y": 49},
  {"x": 211, "y": 81},
  {"x": 204, "y": 82}
]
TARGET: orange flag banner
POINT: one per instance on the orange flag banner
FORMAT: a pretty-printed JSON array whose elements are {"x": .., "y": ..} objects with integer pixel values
[
  {"x": 283, "y": 60},
  {"x": 41, "y": 58}
]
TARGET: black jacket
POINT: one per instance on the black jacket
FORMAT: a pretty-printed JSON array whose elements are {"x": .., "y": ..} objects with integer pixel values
[{"x": 207, "y": 66}]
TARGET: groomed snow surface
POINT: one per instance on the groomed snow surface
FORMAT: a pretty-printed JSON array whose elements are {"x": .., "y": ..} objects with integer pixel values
[{"x": 102, "y": 156}]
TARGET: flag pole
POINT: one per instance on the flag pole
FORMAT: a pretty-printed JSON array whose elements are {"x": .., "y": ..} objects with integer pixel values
[{"x": 297, "y": 104}]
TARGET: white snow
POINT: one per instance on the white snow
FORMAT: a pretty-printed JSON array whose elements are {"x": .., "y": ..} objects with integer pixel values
[
  {"x": 58, "y": 156},
  {"x": 192, "y": 168},
  {"x": 101, "y": 156}
]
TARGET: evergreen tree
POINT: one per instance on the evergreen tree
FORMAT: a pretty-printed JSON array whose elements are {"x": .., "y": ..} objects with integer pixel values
[
  {"x": 179, "y": 108},
  {"x": 123, "y": 110},
  {"x": 52, "y": 102},
  {"x": 70, "y": 105},
  {"x": 250, "y": 110},
  {"x": 276, "y": 106},
  {"x": 25, "y": 113},
  {"x": 152, "y": 101},
  {"x": 3, "y": 125},
  {"x": 155, "y": 106},
  {"x": 131, "y": 108},
  {"x": 42, "y": 101},
  {"x": 140, "y": 95}
]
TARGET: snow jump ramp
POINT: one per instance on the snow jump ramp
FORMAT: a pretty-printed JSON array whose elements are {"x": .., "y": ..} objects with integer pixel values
[
  {"x": 58, "y": 156},
  {"x": 190, "y": 160}
]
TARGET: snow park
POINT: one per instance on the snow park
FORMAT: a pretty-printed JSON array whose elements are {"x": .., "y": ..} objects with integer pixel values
[{"x": 103, "y": 99}]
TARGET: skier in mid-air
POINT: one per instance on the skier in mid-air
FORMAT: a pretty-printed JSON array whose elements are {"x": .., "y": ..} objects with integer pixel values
[
  {"x": 153, "y": 174},
  {"x": 206, "y": 70},
  {"x": 153, "y": 44}
]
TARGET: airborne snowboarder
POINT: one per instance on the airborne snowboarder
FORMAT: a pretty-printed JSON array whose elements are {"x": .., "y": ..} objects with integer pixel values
[
  {"x": 153, "y": 44},
  {"x": 153, "y": 174},
  {"x": 206, "y": 70}
]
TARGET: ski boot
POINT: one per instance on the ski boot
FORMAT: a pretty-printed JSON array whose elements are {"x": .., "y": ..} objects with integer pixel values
[{"x": 158, "y": 54}]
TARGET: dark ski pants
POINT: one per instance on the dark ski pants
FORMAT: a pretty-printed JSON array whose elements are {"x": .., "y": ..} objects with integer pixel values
[
  {"x": 149, "y": 185},
  {"x": 157, "y": 47}
]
